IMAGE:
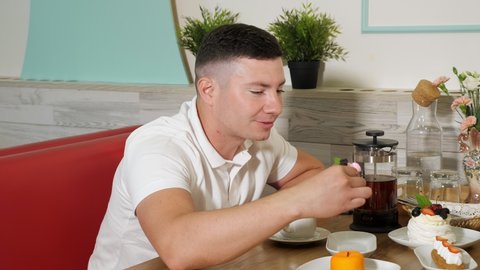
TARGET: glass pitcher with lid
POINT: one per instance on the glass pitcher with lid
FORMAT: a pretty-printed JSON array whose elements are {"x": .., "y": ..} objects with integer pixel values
[{"x": 376, "y": 158}]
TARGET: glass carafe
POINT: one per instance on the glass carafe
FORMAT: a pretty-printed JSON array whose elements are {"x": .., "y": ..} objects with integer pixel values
[{"x": 424, "y": 139}]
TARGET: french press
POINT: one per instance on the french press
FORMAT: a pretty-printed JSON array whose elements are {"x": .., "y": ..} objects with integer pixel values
[{"x": 376, "y": 158}]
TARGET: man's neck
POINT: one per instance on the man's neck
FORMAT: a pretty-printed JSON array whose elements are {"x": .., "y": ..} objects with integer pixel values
[{"x": 226, "y": 146}]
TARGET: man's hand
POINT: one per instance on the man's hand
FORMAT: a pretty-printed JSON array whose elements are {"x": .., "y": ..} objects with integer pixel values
[{"x": 330, "y": 192}]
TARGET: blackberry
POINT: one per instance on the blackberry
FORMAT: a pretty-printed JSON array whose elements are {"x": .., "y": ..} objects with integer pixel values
[
  {"x": 416, "y": 211},
  {"x": 444, "y": 213}
]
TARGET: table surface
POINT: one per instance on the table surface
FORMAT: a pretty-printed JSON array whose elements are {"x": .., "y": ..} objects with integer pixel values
[{"x": 272, "y": 255}]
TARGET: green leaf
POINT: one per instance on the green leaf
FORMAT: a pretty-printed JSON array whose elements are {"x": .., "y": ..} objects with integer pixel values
[
  {"x": 455, "y": 71},
  {"x": 192, "y": 34},
  {"x": 422, "y": 200},
  {"x": 307, "y": 35},
  {"x": 444, "y": 89}
]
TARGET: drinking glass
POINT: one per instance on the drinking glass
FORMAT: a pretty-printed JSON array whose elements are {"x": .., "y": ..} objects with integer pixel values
[
  {"x": 464, "y": 190},
  {"x": 444, "y": 186},
  {"x": 409, "y": 181}
]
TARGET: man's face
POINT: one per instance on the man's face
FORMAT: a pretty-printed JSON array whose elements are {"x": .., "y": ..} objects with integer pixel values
[{"x": 250, "y": 98}]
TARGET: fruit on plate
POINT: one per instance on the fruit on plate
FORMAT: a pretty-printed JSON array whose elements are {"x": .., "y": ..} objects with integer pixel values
[
  {"x": 429, "y": 220},
  {"x": 427, "y": 208}
]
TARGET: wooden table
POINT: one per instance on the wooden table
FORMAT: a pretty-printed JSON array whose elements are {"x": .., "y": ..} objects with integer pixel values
[{"x": 274, "y": 256}]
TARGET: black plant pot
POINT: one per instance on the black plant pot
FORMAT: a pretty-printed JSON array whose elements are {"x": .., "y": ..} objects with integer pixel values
[{"x": 305, "y": 74}]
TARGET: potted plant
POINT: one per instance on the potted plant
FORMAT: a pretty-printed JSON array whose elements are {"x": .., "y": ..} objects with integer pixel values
[
  {"x": 192, "y": 34},
  {"x": 307, "y": 38}
]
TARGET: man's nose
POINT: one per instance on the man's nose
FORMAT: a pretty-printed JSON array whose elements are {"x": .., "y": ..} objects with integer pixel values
[{"x": 274, "y": 104}]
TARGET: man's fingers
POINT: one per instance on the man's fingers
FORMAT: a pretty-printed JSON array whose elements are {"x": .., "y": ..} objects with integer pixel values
[
  {"x": 356, "y": 202},
  {"x": 359, "y": 196},
  {"x": 350, "y": 171},
  {"x": 357, "y": 182},
  {"x": 362, "y": 192}
]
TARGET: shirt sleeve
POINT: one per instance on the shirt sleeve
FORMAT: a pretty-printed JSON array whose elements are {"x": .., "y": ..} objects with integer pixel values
[{"x": 153, "y": 166}]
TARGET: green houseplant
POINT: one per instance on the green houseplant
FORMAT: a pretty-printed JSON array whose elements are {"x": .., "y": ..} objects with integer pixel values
[
  {"x": 192, "y": 34},
  {"x": 307, "y": 38}
]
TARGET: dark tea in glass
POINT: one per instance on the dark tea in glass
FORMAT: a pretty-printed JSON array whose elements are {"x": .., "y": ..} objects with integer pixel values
[
  {"x": 376, "y": 158},
  {"x": 379, "y": 213}
]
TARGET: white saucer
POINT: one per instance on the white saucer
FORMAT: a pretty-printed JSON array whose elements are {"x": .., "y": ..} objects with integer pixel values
[
  {"x": 370, "y": 264},
  {"x": 320, "y": 234},
  {"x": 424, "y": 255},
  {"x": 465, "y": 237}
]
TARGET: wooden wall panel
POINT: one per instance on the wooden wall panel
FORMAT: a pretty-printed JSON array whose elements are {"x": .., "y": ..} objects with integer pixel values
[
  {"x": 17, "y": 133},
  {"x": 323, "y": 121}
]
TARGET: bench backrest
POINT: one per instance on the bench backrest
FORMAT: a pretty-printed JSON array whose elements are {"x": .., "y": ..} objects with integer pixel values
[{"x": 53, "y": 200}]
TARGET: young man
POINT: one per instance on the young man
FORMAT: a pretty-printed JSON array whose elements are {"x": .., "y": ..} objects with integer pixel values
[{"x": 189, "y": 186}]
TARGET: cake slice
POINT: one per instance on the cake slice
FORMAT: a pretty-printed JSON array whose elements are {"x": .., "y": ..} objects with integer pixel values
[{"x": 445, "y": 255}]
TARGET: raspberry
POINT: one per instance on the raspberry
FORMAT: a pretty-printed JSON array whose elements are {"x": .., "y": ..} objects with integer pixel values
[{"x": 435, "y": 207}]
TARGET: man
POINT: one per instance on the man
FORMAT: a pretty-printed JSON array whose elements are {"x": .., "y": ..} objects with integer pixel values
[{"x": 189, "y": 186}]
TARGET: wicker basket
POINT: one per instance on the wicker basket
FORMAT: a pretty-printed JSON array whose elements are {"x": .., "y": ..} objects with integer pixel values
[{"x": 469, "y": 223}]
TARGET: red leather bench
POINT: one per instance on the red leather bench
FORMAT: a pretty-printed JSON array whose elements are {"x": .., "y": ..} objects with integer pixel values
[
  {"x": 64, "y": 140},
  {"x": 53, "y": 197}
]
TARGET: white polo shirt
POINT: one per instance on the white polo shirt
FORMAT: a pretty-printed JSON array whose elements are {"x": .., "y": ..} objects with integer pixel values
[{"x": 174, "y": 152}]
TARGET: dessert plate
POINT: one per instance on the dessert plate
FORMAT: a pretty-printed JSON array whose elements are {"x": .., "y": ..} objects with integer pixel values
[
  {"x": 465, "y": 237},
  {"x": 363, "y": 242},
  {"x": 423, "y": 254},
  {"x": 370, "y": 264},
  {"x": 319, "y": 235}
]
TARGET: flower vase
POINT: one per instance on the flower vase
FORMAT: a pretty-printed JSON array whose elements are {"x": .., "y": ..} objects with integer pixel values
[{"x": 471, "y": 162}]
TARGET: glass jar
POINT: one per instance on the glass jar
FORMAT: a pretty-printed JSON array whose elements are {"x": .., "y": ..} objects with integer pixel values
[{"x": 424, "y": 139}]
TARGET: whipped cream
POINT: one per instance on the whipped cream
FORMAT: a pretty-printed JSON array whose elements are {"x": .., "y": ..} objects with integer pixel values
[
  {"x": 424, "y": 228},
  {"x": 450, "y": 258}
]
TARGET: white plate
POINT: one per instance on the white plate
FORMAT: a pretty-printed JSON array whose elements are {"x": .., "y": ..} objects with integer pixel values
[
  {"x": 363, "y": 242},
  {"x": 423, "y": 254},
  {"x": 320, "y": 234},
  {"x": 465, "y": 237},
  {"x": 370, "y": 264}
]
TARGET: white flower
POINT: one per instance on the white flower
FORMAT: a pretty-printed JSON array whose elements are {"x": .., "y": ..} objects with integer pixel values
[
  {"x": 468, "y": 104},
  {"x": 471, "y": 83}
]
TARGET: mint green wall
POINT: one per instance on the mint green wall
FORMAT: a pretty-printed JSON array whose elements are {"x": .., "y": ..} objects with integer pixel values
[{"x": 121, "y": 41}]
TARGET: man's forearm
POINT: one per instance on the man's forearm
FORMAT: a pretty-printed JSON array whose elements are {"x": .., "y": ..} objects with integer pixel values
[{"x": 199, "y": 239}]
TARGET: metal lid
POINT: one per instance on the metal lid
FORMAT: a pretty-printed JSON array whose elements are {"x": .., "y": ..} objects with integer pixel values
[{"x": 375, "y": 142}]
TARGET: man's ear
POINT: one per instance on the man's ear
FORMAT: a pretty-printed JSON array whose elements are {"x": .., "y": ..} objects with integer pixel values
[{"x": 206, "y": 89}]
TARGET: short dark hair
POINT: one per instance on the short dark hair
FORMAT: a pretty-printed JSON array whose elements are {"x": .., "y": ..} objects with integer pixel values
[{"x": 237, "y": 40}]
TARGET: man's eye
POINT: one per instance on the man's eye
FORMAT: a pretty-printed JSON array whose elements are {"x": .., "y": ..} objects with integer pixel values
[
  {"x": 255, "y": 92},
  {"x": 280, "y": 91}
]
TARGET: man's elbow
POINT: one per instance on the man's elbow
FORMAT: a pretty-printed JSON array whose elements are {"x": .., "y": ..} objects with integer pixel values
[{"x": 181, "y": 259}]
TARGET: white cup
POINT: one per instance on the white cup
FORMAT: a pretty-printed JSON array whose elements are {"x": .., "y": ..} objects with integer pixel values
[{"x": 300, "y": 228}]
